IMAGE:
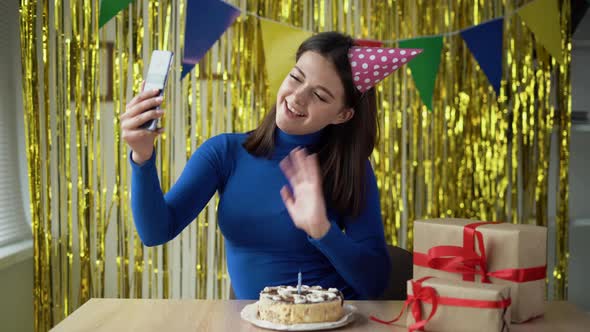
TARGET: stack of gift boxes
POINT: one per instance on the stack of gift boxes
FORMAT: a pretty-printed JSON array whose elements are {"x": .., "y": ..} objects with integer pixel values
[{"x": 475, "y": 276}]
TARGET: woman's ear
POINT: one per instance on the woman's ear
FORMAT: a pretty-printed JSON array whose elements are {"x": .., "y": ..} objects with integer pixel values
[{"x": 344, "y": 115}]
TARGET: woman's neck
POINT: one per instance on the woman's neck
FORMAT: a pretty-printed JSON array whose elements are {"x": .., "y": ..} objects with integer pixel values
[{"x": 285, "y": 142}]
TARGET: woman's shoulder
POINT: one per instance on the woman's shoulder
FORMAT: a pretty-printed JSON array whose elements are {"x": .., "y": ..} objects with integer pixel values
[
  {"x": 225, "y": 142},
  {"x": 226, "y": 139}
]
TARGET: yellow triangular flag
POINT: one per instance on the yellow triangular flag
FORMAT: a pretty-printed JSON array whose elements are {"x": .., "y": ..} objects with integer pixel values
[
  {"x": 542, "y": 17},
  {"x": 280, "y": 44}
]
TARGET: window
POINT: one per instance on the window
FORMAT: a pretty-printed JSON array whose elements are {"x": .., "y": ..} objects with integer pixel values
[{"x": 14, "y": 226}]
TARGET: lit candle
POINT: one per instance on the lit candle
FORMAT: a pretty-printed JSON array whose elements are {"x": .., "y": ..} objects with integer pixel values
[{"x": 299, "y": 283}]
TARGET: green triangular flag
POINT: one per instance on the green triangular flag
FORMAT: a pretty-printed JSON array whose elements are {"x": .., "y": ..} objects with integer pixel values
[
  {"x": 425, "y": 66},
  {"x": 110, "y": 8}
]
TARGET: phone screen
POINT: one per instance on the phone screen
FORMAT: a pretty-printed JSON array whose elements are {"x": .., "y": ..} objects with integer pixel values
[{"x": 156, "y": 78}]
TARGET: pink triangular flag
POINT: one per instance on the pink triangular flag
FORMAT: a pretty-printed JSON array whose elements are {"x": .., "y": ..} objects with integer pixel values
[{"x": 370, "y": 65}]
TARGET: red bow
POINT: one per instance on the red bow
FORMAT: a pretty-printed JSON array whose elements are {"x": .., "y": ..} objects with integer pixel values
[
  {"x": 421, "y": 294},
  {"x": 466, "y": 261},
  {"x": 462, "y": 259}
]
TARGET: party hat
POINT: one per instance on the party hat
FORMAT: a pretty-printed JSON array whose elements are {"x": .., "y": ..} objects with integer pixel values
[{"x": 370, "y": 65}]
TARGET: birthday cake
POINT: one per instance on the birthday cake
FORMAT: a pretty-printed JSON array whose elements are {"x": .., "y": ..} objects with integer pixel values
[{"x": 287, "y": 305}]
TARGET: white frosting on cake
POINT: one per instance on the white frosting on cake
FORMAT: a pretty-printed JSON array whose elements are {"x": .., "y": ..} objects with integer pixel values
[
  {"x": 315, "y": 297},
  {"x": 331, "y": 295},
  {"x": 315, "y": 294},
  {"x": 298, "y": 299}
]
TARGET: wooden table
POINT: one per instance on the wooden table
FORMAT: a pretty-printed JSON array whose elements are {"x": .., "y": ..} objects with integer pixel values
[{"x": 224, "y": 315}]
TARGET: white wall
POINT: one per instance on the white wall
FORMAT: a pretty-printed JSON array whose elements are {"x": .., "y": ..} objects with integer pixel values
[
  {"x": 579, "y": 171},
  {"x": 16, "y": 301}
]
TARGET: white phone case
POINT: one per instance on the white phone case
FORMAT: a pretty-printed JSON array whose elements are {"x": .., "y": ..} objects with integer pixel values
[{"x": 156, "y": 78}]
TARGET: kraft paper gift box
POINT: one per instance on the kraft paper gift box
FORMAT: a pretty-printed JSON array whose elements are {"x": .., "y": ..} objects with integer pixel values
[
  {"x": 444, "y": 305},
  {"x": 500, "y": 253},
  {"x": 462, "y": 306}
]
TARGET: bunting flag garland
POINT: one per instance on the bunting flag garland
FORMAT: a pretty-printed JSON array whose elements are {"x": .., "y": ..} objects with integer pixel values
[
  {"x": 368, "y": 43},
  {"x": 110, "y": 8},
  {"x": 542, "y": 17},
  {"x": 206, "y": 21},
  {"x": 280, "y": 45},
  {"x": 485, "y": 43},
  {"x": 425, "y": 67}
]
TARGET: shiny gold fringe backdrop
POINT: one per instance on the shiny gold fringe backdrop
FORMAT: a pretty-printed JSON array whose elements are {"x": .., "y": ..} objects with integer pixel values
[{"x": 475, "y": 155}]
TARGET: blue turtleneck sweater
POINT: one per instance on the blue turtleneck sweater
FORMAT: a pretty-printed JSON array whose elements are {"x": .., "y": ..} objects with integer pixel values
[{"x": 263, "y": 246}]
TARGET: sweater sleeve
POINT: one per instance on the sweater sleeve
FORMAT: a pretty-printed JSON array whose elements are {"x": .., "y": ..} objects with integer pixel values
[
  {"x": 159, "y": 218},
  {"x": 360, "y": 253}
]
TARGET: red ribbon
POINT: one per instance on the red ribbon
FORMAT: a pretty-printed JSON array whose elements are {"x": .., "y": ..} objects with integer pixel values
[
  {"x": 421, "y": 294},
  {"x": 368, "y": 43},
  {"x": 429, "y": 295},
  {"x": 466, "y": 261}
]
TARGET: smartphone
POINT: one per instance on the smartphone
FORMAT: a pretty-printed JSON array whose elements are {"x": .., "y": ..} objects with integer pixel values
[{"x": 157, "y": 76}]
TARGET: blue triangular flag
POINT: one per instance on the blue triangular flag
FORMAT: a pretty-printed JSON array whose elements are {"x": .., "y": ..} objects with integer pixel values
[
  {"x": 485, "y": 43},
  {"x": 206, "y": 21}
]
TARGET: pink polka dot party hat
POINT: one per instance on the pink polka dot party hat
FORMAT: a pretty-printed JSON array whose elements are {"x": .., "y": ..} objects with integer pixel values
[{"x": 370, "y": 65}]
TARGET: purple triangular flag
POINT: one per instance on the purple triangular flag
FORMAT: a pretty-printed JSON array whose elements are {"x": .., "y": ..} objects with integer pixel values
[
  {"x": 485, "y": 43},
  {"x": 206, "y": 21}
]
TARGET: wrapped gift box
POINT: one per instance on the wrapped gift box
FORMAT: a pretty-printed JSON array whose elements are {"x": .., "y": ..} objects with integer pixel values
[
  {"x": 460, "y": 306},
  {"x": 497, "y": 253}
]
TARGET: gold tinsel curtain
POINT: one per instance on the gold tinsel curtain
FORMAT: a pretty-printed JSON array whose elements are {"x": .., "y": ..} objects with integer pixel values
[{"x": 475, "y": 155}]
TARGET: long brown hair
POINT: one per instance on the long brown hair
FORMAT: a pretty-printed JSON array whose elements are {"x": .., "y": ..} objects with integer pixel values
[{"x": 343, "y": 149}]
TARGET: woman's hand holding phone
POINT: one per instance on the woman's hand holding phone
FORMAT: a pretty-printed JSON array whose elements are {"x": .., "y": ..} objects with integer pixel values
[{"x": 140, "y": 110}]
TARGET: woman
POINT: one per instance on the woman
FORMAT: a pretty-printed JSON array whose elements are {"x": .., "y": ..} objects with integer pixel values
[{"x": 296, "y": 194}]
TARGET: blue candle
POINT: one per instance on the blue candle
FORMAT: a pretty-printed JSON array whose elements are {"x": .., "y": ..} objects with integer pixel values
[{"x": 299, "y": 283}]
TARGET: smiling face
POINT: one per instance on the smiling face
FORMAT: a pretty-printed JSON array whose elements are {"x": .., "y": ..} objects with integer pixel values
[{"x": 311, "y": 97}]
